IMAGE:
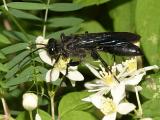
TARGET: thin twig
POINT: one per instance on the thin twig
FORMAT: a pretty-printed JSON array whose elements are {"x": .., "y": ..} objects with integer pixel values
[
  {"x": 5, "y": 5},
  {"x": 140, "y": 112},
  {"x": 5, "y": 108},
  {"x": 52, "y": 106},
  {"x": 45, "y": 19}
]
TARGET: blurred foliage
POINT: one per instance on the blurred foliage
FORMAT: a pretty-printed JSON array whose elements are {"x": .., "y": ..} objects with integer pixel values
[{"x": 22, "y": 21}]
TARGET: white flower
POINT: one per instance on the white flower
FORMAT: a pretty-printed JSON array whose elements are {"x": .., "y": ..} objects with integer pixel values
[
  {"x": 126, "y": 73},
  {"x": 37, "y": 117},
  {"x": 109, "y": 107},
  {"x": 105, "y": 82},
  {"x": 41, "y": 43},
  {"x": 59, "y": 67},
  {"x": 30, "y": 101}
]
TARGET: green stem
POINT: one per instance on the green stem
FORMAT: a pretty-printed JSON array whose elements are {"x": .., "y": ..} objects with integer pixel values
[
  {"x": 51, "y": 94},
  {"x": 45, "y": 19},
  {"x": 5, "y": 5},
  {"x": 30, "y": 114},
  {"x": 140, "y": 112},
  {"x": 5, "y": 108},
  {"x": 52, "y": 107}
]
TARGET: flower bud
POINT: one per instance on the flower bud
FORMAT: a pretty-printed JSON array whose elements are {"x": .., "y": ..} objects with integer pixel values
[{"x": 30, "y": 101}]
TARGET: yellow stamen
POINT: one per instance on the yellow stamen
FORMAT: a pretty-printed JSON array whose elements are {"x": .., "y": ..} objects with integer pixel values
[
  {"x": 109, "y": 79},
  {"x": 131, "y": 65},
  {"x": 62, "y": 63},
  {"x": 108, "y": 106}
]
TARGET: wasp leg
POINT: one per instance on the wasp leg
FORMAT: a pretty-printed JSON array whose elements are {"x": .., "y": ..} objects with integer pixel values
[
  {"x": 94, "y": 55},
  {"x": 75, "y": 63},
  {"x": 103, "y": 62},
  {"x": 71, "y": 63},
  {"x": 114, "y": 57}
]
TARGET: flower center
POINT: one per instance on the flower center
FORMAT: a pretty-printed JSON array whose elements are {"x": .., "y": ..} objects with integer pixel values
[
  {"x": 108, "y": 106},
  {"x": 62, "y": 64},
  {"x": 108, "y": 78},
  {"x": 131, "y": 65}
]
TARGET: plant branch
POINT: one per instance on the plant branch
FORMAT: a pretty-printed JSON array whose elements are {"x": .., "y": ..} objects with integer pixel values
[{"x": 45, "y": 19}]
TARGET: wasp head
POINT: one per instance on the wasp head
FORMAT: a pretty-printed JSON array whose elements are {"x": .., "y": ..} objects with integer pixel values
[{"x": 52, "y": 47}]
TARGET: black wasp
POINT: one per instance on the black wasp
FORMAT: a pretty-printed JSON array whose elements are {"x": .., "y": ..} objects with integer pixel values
[{"x": 116, "y": 43}]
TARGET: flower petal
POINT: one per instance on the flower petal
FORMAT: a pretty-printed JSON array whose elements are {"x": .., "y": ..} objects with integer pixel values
[
  {"x": 94, "y": 71},
  {"x": 111, "y": 116},
  {"x": 118, "y": 93},
  {"x": 72, "y": 67},
  {"x": 45, "y": 57},
  {"x": 94, "y": 84},
  {"x": 42, "y": 52},
  {"x": 134, "y": 80},
  {"x": 38, "y": 117},
  {"x": 119, "y": 67},
  {"x": 73, "y": 75},
  {"x": 96, "y": 99},
  {"x": 125, "y": 108},
  {"x": 52, "y": 75},
  {"x": 41, "y": 40}
]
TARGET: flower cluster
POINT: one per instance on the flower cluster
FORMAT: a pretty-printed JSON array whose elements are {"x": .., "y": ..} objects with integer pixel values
[
  {"x": 125, "y": 76},
  {"x": 109, "y": 89}
]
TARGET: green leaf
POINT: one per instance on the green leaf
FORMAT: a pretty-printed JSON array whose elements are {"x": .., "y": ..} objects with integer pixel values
[
  {"x": 64, "y": 7},
  {"x": 90, "y": 2},
  {"x": 14, "y": 48},
  {"x": 19, "y": 36},
  {"x": 23, "y": 116},
  {"x": 42, "y": 71},
  {"x": 2, "y": 56},
  {"x": 151, "y": 87},
  {"x": 12, "y": 71},
  {"x": 78, "y": 115},
  {"x": 3, "y": 68},
  {"x": 44, "y": 115},
  {"x": 23, "y": 15},
  {"x": 73, "y": 101},
  {"x": 123, "y": 15},
  {"x": 27, "y": 5},
  {"x": 15, "y": 92},
  {"x": 151, "y": 108},
  {"x": 17, "y": 59},
  {"x": 24, "y": 76},
  {"x": 4, "y": 40},
  {"x": 156, "y": 118},
  {"x": 92, "y": 26},
  {"x": 67, "y": 31},
  {"x": 148, "y": 26},
  {"x": 64, "y": 21}
]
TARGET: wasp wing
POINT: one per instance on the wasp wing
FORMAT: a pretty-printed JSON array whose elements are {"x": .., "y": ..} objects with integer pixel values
[
  {"x": 98, "y": 39},
  {"x": 119, "y": 43}
]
